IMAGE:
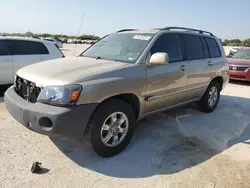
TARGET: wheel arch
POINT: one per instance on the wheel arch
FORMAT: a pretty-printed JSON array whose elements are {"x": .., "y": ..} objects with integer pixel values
[
  {"x": 218, "y": 79},
  {"x": 130, "y": 98}
]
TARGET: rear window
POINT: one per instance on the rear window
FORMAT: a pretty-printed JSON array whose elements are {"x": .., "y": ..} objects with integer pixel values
[
  {"x": 19, "y": 47},
  {"x": 193, "y": 46},
  {"x": 213, "y": 47}
]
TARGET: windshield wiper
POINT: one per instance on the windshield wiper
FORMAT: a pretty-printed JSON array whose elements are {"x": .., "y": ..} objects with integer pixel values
[{"x": 104, "y": 58}]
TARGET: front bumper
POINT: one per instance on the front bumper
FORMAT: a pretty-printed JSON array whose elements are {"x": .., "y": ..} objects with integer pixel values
[
  {"x": 240, "y": 75},
  {"x": 68, "y": 122}
]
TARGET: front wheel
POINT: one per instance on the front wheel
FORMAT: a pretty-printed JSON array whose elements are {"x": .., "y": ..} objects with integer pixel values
[
  {"x": 111, "y": 127},
  {"x": 210, "y": 99}
]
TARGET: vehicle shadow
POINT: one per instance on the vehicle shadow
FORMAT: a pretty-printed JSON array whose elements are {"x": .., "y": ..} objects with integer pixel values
[{"x": 171, "y": 141}]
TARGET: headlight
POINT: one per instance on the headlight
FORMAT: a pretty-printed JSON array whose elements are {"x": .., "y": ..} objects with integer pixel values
[{"x": 60, "y": 95}]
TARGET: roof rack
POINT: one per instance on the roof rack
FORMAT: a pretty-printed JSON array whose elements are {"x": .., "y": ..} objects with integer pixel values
[
  {"x": 188, "y": 29},
  {"x": 125, "y": 30}
]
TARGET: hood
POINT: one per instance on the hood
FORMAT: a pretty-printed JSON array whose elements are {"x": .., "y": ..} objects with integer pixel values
[
  {"x": 243, "y": 62},
  {"x": 66, "y": 70}
]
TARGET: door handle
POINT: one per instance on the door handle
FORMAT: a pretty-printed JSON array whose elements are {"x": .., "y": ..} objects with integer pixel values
[
  {"x": 183, "y": 67},
  {"x": 209, "y": 63}
]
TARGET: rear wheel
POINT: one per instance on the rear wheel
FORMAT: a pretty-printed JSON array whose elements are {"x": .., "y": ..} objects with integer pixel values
[
  {"x": 210, "y": 99},
  {"x": 111, "y": 127}
]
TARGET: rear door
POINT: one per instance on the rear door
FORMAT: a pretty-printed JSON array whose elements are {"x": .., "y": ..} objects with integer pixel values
[
  {"x": 197, "y": 56},
  {"x": 28, "y": 52},
  {"x": 215, "y": 62},
  {"x": 6, "y": 71}
]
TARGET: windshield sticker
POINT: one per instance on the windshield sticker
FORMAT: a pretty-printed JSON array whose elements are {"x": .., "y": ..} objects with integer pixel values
[
  {"x": 131, "y": 59},
  {"x": 141, "y": 37}
]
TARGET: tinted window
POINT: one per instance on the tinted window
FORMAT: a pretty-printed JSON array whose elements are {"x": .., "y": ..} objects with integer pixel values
[
  {"x": 171, "y": 44},
  {"x": 205, "y": 47},
  {"x": 4, "y": 48},
  {"x": 193, "y": 46},
  {"x": 19, "y": 47},
  {"x": 213, "y": 47}
]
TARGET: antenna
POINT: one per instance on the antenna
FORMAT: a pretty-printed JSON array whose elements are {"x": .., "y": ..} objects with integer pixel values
[{"x": 78, "y": 33}]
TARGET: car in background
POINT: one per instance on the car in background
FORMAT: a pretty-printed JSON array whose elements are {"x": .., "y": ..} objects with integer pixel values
[
  {"x": 57, "y": 42},
  {"x": 92, "y": 42},
  {"x": 17, "y": 52},
  {"x": 233, "y": 51},
  {"x": 239, "y": 65},
  {"x": 3, "y": 35}
]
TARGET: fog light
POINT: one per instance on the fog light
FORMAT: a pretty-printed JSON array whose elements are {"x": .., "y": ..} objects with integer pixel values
[{"x": 45, "y": 122}]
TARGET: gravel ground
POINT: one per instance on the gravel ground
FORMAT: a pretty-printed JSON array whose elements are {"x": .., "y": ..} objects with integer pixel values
[
  {"x": 73, "y": 49},
  {"x": 178, "y": 148}
]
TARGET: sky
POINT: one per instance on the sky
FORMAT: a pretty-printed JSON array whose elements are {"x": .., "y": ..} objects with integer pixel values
[{"x": 227, "y": 19}]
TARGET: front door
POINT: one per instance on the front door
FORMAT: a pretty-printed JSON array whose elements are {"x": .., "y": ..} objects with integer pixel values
[{"x": 166, "y": 84}]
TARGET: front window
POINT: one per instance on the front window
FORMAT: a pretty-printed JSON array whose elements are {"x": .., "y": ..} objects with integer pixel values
[
  {"x": 242, "y": 54},
  {"x": 124, "y": 47}
]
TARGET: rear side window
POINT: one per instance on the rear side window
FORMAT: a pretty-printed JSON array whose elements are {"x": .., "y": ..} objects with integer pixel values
[
  {"x": 213, "y": 47},
  {"x": 19, "y": 47},
  {"x": 169, "y": 43},
  {"x": 193, "y": 46},
  {"x": 4, "y": 48},
  {"x": 205, "y": 47}
]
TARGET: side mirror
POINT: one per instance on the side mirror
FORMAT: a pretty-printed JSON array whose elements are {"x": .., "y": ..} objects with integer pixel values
[{"x": 159, "y": 58}]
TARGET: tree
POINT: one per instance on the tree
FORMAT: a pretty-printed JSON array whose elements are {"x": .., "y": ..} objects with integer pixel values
[
  {"x": 88, "y": 37},
  {"x": 29, "y": 34},
  {"x": 56, "y": 36},
  {"x": 246, "y": 42}
]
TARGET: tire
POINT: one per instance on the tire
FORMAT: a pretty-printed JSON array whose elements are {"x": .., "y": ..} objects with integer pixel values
[
  {"x": 95, "y": 134},
  {"x": 203, "y": 104}
]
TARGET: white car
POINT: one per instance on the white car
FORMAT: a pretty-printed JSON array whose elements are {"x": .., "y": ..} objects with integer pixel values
[
  {"x": 57, "y": 42},
  {"x": 17, "y": 52},
  {"x": 3, "y": 35}
]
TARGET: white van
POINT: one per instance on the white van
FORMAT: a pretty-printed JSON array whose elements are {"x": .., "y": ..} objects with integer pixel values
[{"x": 16, "y": 53}]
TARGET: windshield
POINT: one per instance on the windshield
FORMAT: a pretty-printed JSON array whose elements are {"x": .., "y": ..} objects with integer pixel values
[
  {"x": 124, "y": 47},
  {"x": 242, "y": 54}
]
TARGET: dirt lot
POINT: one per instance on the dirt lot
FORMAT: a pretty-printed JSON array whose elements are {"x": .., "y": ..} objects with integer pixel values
[
  {"x": 73, "y": 49},
  {"x": 177, "y": 148}
]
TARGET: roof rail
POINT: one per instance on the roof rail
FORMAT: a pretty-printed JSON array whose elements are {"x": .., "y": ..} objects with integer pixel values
[
  {"x": 188, "y": 29},
  {"x": 125, "y": 30}
]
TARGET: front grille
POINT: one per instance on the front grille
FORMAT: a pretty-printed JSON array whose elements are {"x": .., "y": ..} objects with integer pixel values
[
  {"x": 238, "y": 68},
  {"x": 26, "y": 89}
]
